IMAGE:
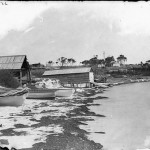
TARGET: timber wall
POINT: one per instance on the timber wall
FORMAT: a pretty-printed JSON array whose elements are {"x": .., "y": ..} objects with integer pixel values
[{"x": 77, "y": 78}]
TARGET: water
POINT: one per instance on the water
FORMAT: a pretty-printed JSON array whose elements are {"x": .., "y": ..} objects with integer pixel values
[{"x": 127, "y": 122}]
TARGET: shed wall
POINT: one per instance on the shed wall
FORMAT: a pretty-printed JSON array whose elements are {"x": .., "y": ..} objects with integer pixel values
[{"x": 71, "y": 78}]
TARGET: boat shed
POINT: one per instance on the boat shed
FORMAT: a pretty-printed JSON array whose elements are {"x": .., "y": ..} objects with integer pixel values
[
  {"x": 18, "y": 65},
  {"x": 73, "y": 77}
]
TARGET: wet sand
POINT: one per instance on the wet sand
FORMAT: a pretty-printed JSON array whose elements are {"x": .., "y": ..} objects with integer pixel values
[{"x": 49, "y": 125}]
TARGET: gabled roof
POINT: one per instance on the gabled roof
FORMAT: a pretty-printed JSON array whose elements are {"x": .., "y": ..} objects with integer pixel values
[
  {"x": 67, "y": 71},
  {"x": 12, "y": 62}
]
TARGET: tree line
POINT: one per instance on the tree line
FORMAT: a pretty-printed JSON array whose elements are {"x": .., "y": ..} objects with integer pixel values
[
  {"x": 108, "y": 61},
  {"x": 63, "y": 61}
]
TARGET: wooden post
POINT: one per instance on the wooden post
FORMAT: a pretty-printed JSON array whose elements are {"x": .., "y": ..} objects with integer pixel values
[
  {"x": 21, "y": 77},
  {"x": 28, "y": 76},
  {"x": 90, "y": 85}
]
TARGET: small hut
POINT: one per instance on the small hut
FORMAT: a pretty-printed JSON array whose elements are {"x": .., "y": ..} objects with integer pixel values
[
  {"x": 73, "y": 77},
  {"x": 18, "y": 65}
]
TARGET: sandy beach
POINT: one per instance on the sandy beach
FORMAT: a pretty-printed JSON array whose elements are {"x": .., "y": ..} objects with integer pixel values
[{"x": 48, "y": 124}]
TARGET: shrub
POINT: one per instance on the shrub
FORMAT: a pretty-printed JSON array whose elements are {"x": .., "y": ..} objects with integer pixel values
[
  {"x": 38, "y": 72},
  {"x": 7, "y": 79}
]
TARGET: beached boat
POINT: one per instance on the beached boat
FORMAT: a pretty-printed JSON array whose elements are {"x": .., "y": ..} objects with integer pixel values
[
  {"x": 49, "y": 93},
  {"x": 12, "y": 100},
  {"x": 64, "y": 92},
  {"x": 40, "y": 94},
  {"x": 48, "y": 89},
  {"x": 13, "y": 97}
]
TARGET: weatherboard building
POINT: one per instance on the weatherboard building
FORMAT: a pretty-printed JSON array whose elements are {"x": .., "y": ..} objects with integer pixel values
[
  {"x": 73, "y": 77},
  {"x": 18, "y": 65}
]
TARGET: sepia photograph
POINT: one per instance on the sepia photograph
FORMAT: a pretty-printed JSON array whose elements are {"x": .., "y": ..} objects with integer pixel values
[{"x": 74, "y": 75}]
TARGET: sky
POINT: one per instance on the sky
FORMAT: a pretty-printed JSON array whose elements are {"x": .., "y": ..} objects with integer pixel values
[{"x": 46, "y": 31}]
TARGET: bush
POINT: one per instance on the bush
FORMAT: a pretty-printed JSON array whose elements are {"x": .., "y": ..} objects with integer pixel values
[
  {"x": 7, "y": 79},
  {"x": 38, "y": 72}
]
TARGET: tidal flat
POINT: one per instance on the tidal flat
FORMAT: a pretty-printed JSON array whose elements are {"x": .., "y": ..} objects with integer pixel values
[{"x": 49, "y": 124}]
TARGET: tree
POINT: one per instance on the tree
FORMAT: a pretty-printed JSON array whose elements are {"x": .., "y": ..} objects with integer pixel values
[
  {"x": 121, "y": 59},
  {"x": 71, "y": 61},
  {"x": 61, "y": 61},
  {"x": 109, "y": 61},
  {"x": 93, "y": 61},
  {"x": 101, "y": 62},
  {"x": 85, "y": 62},
  {"x": 50, "y": 63}
]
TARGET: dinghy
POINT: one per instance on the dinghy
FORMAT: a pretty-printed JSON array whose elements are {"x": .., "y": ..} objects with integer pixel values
[
  {"x": 13, "y": 97},
  {"x": 49, "y": 89},
  {"x": 41, "y": 94},
  {"x": 49, "y": 93}
]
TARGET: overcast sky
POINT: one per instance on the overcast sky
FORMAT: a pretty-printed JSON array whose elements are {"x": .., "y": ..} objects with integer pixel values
[{"x": 48, "y": 30}]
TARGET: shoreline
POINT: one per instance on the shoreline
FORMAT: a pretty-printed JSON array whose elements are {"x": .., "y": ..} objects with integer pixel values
[
  {"x": 126, "y": 107},
  {"x": 128, "y": 80},
  {"x": 72, "y": 136}
]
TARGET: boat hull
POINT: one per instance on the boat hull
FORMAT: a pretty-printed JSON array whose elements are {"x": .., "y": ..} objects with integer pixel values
[
  {"x": 12, "y": 100},
  {"x": 64, "y": 93},
  {"x": 49, "y": 93},
  {"x": 40, "y": 96}
]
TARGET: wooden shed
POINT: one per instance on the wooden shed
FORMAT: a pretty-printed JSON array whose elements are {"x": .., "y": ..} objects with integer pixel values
[
  {"x": 73, "y": 77},
  {"x": 18, "y": 65}
]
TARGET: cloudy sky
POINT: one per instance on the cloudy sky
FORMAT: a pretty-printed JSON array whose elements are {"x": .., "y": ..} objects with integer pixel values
[{"x": 48, "y": 30}]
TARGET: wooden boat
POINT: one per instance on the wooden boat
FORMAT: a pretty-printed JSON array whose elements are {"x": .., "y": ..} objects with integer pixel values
[
  {"x": 49, "y": 93},
  {"x": 64, "y": 92},
  {"x": 12, "y": 100},
  {"x": 48, "y": 89},
  {"x": 13, "y": 97},
  {"x": 40, "y": 94}
]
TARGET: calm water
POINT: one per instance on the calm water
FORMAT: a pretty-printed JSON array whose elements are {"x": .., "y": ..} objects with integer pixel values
[{"x": 127, "y": 121}]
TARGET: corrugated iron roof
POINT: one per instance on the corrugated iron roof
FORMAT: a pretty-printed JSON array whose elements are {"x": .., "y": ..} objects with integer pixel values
[
  {"x": 11, "y": 62},
  {"x": 67, "y": 71}
]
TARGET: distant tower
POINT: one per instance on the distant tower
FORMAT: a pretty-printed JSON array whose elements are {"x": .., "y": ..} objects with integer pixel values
[
  {"x": 104, "y": 55},
  {"x": 104, "y": 58}
]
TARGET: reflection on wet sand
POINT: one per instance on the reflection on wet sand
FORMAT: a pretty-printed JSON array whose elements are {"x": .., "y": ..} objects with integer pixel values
[{"x": 48, "y": 124}]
